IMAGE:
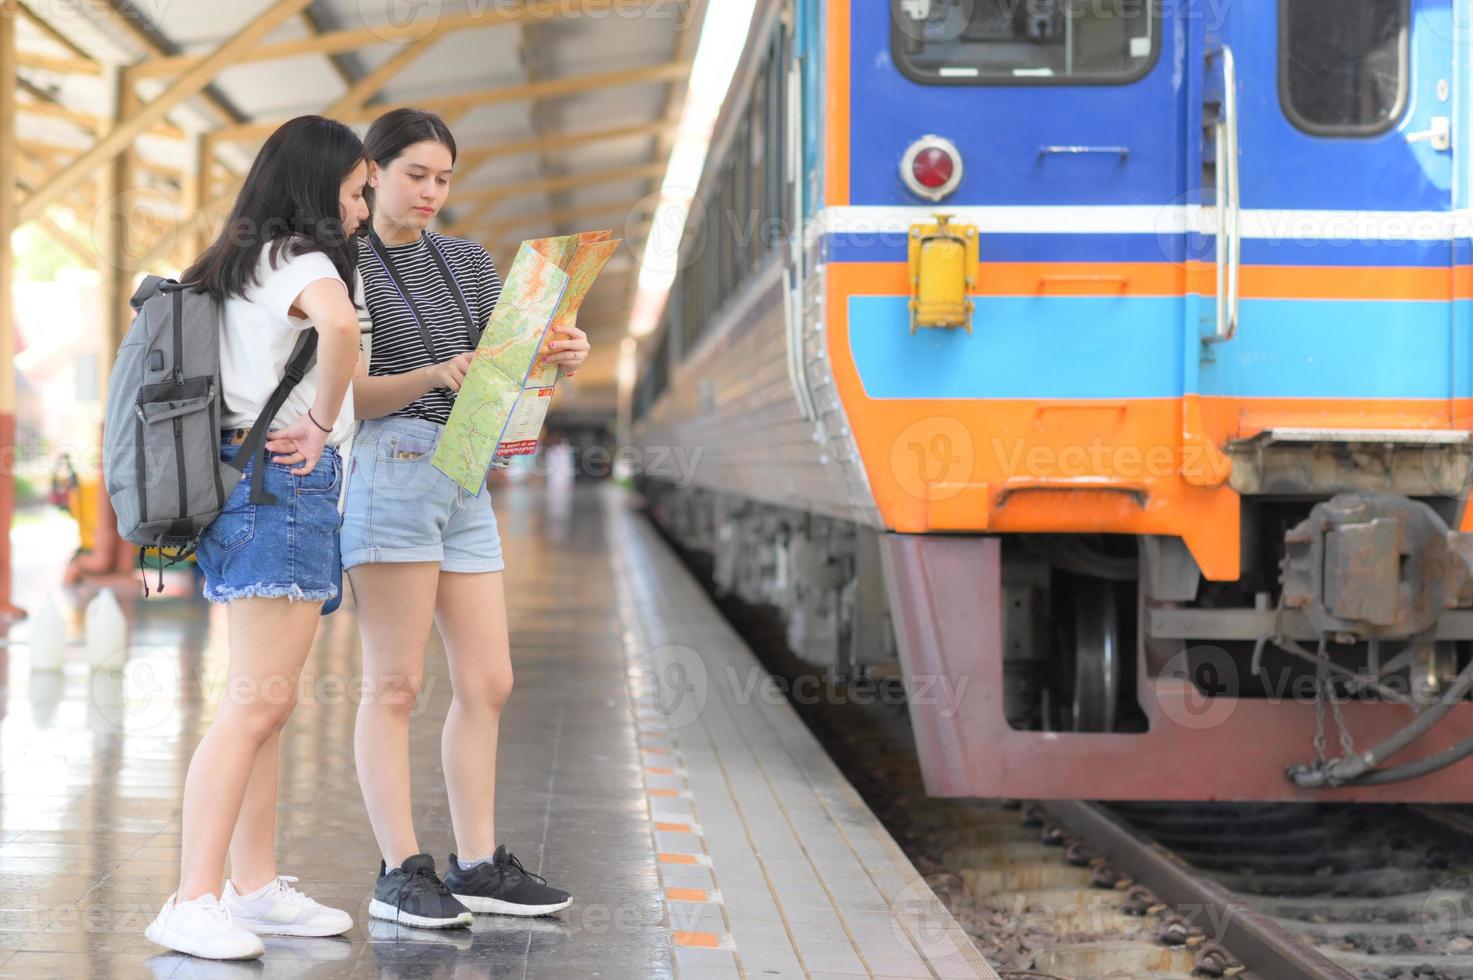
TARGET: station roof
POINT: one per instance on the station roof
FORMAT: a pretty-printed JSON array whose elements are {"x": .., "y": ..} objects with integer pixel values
[{"x": 564, "y": 110}]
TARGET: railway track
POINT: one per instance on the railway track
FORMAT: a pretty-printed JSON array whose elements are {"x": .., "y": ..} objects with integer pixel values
[
  {"x": 1381, "y": 892},
  {"x": 1281, "y": 891},
  {"x": 1155, "y": 891},
  {"x": 1085, "y": 891}
]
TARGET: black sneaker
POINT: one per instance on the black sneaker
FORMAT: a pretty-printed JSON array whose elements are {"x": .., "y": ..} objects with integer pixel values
[
  {"x": 413, "y": 895},
  {"x": 502, "y": 886}
]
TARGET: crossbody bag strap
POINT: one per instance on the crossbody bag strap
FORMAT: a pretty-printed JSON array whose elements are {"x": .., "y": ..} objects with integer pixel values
[
  {"x": 472, "y": 334},
  {"x": 381, "y": 253}
]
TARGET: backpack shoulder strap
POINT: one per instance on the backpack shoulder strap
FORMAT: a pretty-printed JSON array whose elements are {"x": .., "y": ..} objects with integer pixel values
[
  {"x": 303, "y": 355},
  {"x": 147, "y": 289}
]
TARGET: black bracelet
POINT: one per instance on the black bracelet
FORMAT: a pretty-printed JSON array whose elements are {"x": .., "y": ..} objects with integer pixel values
[{"x": 317, "y": 423}]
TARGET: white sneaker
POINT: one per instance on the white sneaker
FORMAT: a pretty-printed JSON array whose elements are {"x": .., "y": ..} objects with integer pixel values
[
  {"x": 202, "y": 927},
  {"x": 278, "y": 909}
]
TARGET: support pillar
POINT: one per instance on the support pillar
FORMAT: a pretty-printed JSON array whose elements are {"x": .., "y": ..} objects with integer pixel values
[
  {"x": 9, "y": 12},
  {"x": 198, "y": 183},
  {"x": 110, "y": 555}
]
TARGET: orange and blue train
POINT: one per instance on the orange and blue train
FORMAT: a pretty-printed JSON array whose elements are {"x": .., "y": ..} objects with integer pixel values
[{"x": 1100, "y": 373}]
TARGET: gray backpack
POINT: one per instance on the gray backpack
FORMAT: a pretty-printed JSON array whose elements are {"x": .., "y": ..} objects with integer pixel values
[{"x": 161, "y": 435}]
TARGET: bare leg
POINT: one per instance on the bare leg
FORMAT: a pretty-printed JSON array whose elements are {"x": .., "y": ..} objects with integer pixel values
[
  {"x": 396, "y": 604},
  {"x": 470, "y": 611},
  {"x": 253, "y": 847},
  {"x": 269, "y": 642}
]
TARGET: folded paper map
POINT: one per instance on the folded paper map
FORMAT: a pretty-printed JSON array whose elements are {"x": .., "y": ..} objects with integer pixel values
[{"x": 503, "y": 401}]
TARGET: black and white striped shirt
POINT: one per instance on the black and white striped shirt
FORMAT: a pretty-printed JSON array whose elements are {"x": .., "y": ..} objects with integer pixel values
[{"x": 397, "y": 344}]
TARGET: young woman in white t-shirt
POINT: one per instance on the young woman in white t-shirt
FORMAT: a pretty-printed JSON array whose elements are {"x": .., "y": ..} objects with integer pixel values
[{"x": 279, "y": 268}]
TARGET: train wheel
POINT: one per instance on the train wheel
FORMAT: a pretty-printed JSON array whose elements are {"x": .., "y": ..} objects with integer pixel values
[{"x": 1098, "y": 648}]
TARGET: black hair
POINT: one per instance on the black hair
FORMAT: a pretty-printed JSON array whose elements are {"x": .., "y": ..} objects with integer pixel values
[
  {"x": 399, "y": 129},
  {"x": 290, "y": 200}
]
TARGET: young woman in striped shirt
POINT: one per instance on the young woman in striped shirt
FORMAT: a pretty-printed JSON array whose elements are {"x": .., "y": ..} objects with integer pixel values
[{"x": 418, "y": 549}]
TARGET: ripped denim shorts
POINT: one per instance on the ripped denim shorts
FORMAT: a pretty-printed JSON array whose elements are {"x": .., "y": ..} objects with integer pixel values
[{"x": 288, "y": 549}]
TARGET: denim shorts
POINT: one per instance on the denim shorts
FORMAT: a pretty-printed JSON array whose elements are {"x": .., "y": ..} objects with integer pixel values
[
  {"x": 288, "y": 549},
  {"x": 401, "y": 509}
]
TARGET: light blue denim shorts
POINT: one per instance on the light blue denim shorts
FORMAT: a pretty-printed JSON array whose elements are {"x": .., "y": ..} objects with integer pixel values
[
  {"x": 288, "y": 549},
  {"x": 401, "y": 509}
]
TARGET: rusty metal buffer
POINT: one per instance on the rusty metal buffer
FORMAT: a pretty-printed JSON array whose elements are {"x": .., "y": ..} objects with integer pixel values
[{"x": 1376, "y": 566}]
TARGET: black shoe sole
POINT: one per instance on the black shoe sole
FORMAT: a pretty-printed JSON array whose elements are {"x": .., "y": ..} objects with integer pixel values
[
  {"x": 495, "y": 906},
  {"x": 388, "y": 913}
]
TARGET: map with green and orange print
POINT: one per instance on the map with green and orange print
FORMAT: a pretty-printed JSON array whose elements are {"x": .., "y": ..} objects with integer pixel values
[{"x": 503, "y": 401}]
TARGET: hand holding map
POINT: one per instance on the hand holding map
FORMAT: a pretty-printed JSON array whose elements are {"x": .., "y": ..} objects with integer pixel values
[
  {"x": 591, "y": 251},
  {"x": 503, "y": 401}
]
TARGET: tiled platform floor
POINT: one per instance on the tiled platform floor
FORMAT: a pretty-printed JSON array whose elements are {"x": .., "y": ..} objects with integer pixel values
[{"x": 700, "y": 827}]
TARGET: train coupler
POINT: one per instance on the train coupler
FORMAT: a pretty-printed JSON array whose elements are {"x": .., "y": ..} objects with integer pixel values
[{"x": 1368, "y": 566}]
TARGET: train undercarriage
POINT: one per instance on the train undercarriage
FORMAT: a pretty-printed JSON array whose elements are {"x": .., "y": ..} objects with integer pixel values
[{"x": 1337, "y": 666}]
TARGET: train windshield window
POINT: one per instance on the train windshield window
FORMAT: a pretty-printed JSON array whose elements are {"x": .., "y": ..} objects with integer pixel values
[
  {"x": 1343, "y": 66},
  {"x": 1021, "y": 42}
]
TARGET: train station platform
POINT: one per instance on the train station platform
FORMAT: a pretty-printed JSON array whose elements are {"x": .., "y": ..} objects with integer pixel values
[{"x": 699, "y": 825}]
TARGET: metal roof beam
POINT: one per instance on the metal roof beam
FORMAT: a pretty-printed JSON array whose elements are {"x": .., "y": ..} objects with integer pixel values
[
  {"x": 148, "y": 36},
  {"x": 552, "y": 88},
  {"x": 340, "y": 64},
  {"x": 339, "y": 42},
  {"x": 497, "y": 229},
  {"x": 364, "y": 89},
  {"x": 191, "y": 83},
  {"x": 471, "y": 159},
  {"x": 548, "y": 185}
]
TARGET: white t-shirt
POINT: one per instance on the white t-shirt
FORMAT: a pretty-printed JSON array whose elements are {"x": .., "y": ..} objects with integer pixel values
[{"x": 257, "y": 339}]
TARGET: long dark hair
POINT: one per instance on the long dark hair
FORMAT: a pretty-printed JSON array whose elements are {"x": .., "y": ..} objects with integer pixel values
[
  {"x": 397, "y": 130},
  {"x": 290, "y": 201}
]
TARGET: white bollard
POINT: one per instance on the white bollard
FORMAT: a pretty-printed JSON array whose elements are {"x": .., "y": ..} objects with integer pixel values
[
  {"x": 107, "y": 632},
  {"x": 48, "y": 637}
]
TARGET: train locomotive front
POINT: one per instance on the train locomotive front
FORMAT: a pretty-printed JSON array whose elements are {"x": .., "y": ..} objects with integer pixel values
[{"x": 1112, "y": 374}]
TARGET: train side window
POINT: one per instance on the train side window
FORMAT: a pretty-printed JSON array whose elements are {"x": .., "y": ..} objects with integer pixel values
[
  {"x": 659, "y": 367},
  {"x": 741, "y": 203},
  {"x": 1343, "y": 66},
  {"x": 782, "y": 176},
  {"x": 732, "y": 205},
  {"x": 680, "y": 317},
  {"x": 684, "y": 318},
  {"x": 696, "y": 277},
  {"x": 1037, "y": 42},
  {"x": 711, "y": 260},
  {"x": 757, "y": 169}
]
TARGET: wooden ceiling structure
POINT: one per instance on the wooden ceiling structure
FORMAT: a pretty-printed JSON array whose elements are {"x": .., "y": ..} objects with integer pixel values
[{"x": 126, "y": 125}]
